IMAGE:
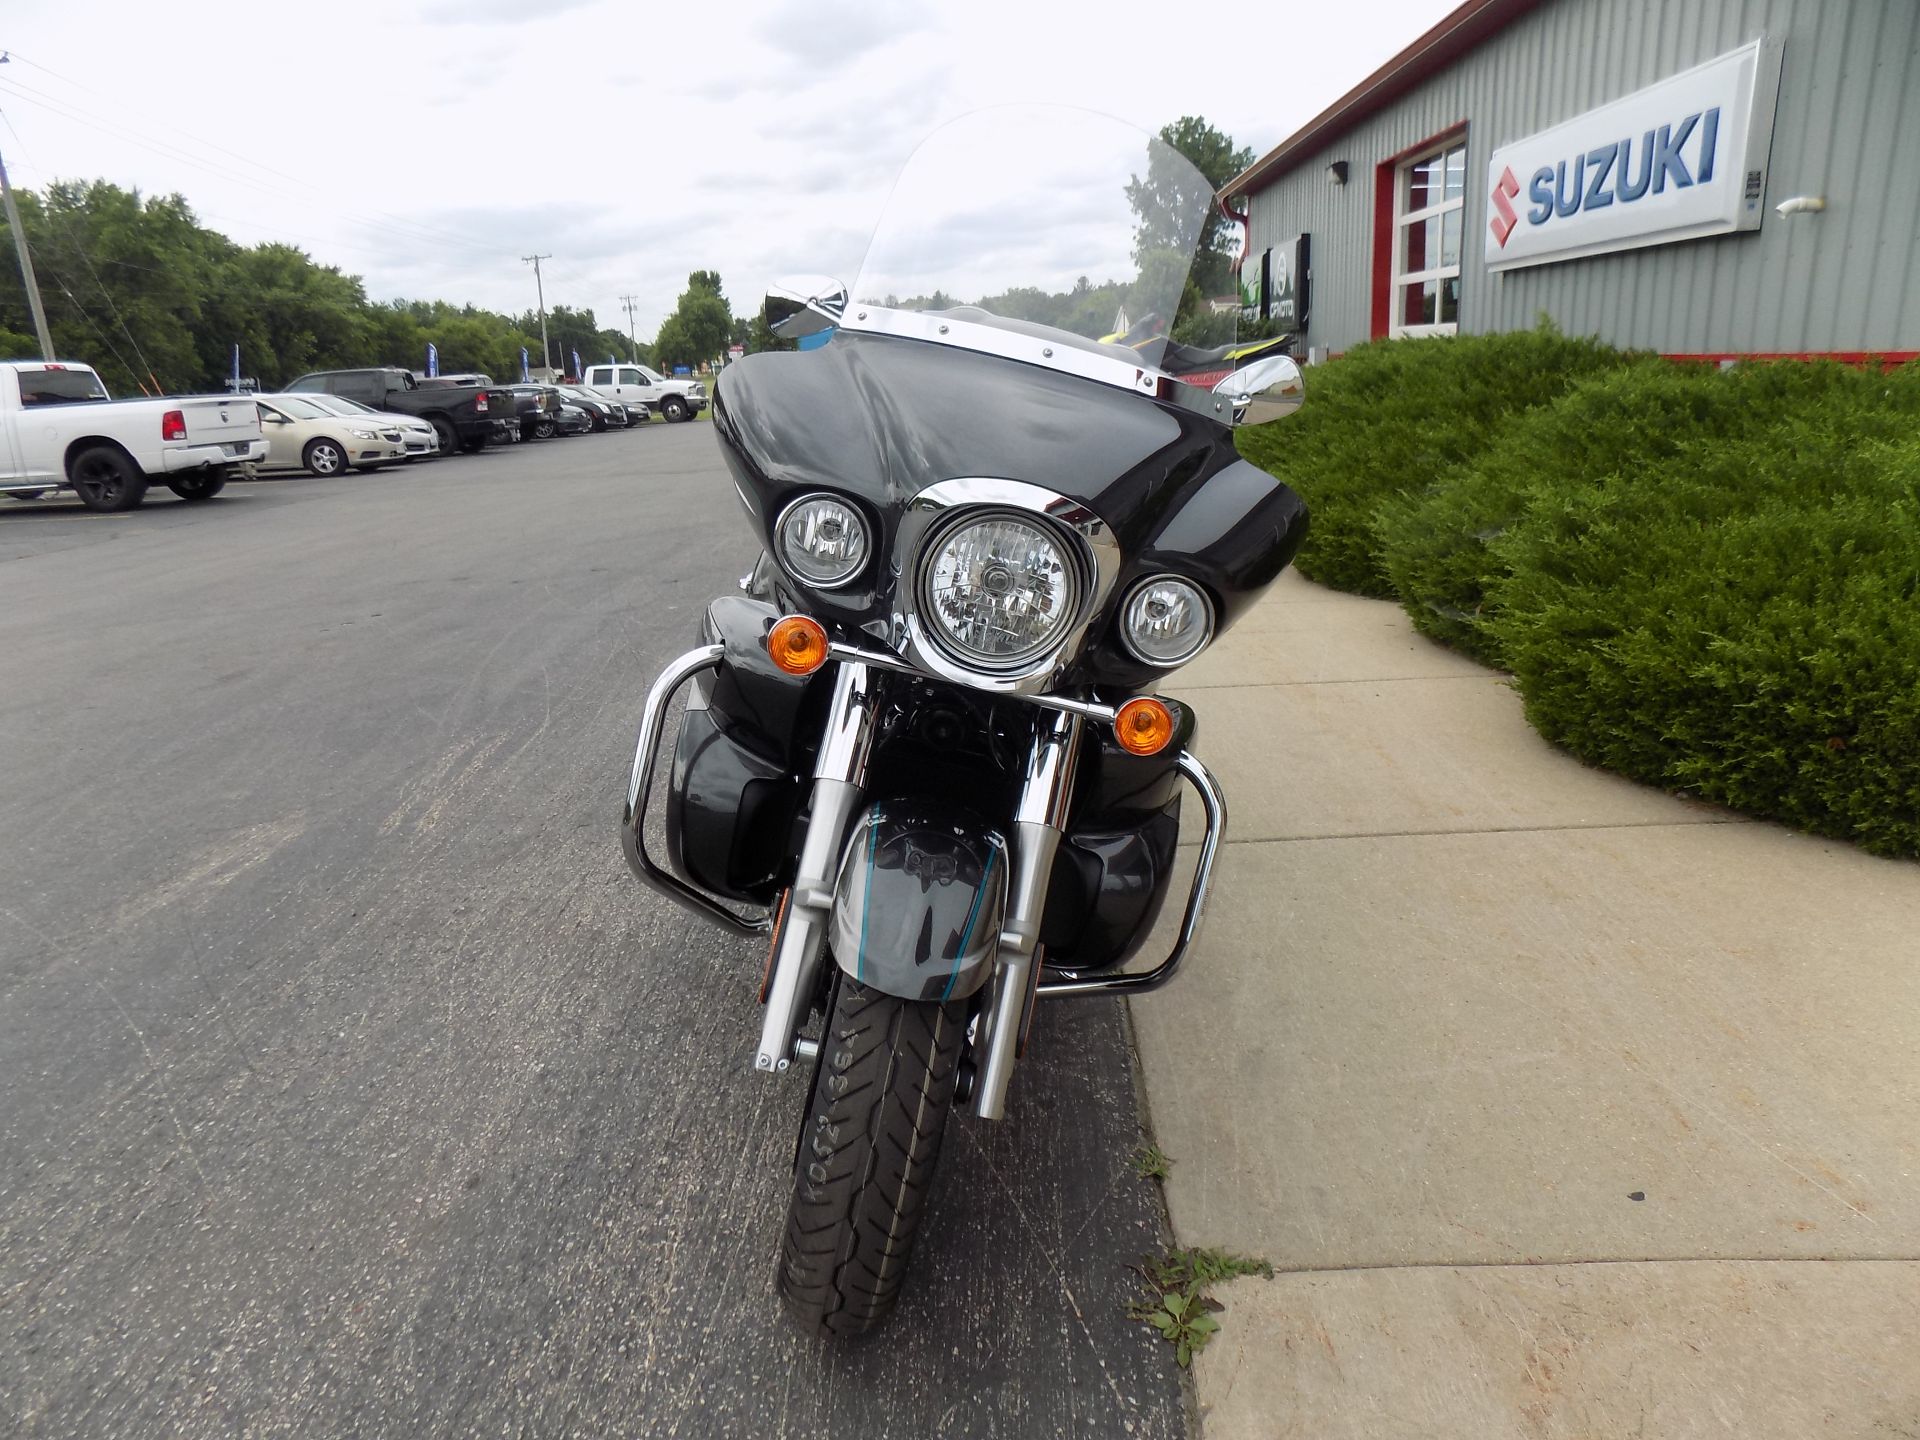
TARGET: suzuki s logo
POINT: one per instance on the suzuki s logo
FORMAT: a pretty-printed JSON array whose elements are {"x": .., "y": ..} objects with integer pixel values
[{"x": 1506, "y": 217}]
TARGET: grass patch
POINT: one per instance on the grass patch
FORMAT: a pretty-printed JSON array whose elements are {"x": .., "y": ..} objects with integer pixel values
[
  {"x": 1178, "y": 1301},
  {"x": 1150, "y": 1162}
]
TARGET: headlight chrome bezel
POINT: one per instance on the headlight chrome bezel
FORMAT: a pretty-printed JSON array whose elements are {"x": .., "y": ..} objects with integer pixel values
[
  {"x": 788, "y": 514},
  {"x": 1073, "y": 566},
  {"x": 1138, "y": 592},
  {"x": 1088, "y": 542}
]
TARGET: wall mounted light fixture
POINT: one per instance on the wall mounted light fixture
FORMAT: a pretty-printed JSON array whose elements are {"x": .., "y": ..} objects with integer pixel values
[
  {"x": 1801, "y": 205},
  {"x": 1337, "y": 172}
]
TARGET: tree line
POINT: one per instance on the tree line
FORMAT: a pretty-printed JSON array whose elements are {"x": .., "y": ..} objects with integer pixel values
[{"x": 155, "y": 301}]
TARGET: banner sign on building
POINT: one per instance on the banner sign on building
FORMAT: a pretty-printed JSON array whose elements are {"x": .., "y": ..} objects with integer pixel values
[
  {"x": 1679, "y": 160},
  {"x": 1287, "y": 275}
]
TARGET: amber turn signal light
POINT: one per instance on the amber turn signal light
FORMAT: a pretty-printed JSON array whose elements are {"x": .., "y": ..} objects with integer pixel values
[
  {"x": 1143, "y": 726},
  {"x": 797, "y": 644}
]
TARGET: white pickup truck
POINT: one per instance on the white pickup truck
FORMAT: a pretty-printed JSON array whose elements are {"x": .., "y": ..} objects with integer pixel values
[
  {"x": 676, "y": 397},
  {"x": 59, "y": 430}
]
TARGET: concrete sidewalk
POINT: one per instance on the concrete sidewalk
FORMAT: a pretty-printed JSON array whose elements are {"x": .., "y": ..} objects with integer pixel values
[{"x": 1564, "y": 1107}]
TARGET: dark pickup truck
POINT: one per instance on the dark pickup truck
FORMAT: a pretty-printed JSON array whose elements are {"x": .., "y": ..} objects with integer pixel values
[{"x": 462, "y": 416}]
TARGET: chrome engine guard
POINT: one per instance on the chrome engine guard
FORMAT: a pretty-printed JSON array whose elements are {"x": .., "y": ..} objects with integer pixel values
[{"x": 840, "y": 776}]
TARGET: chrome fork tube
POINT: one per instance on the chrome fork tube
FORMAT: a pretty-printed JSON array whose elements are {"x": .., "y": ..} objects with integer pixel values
[
  {"x": 839, "y": 787},
  {"x": 1038, "y": 819}
]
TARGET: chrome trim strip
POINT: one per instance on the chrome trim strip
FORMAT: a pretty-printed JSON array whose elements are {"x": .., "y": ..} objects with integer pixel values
[
  {"x": 1067, "y": 354},
  {"x": 633, "y": 822},
  {"x": 1141, "y": 981},
  {"x": 1039, "y": 817}
]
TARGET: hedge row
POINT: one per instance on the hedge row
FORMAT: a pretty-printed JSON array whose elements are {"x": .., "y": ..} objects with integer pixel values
[{"x": 1708, "y": 580}]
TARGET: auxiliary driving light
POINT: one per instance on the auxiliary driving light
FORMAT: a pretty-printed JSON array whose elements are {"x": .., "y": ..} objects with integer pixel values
[
  {"x": 797, "y": 644},
  {"x": 1143, "y": 726}
]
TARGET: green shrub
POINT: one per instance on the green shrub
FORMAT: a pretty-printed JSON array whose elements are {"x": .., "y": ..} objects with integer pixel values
[
  {"x": 1438, "y": 546},
  {"x": 1394, "y": 416},
  {"x": 1738, "y": 617}
]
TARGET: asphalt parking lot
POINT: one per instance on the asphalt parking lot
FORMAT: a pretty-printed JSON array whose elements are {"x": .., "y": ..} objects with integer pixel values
[{"x": 348, "y": 1084}]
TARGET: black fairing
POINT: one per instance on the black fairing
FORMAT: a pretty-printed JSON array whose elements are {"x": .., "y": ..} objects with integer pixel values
[{"x": 878, "y": 419}]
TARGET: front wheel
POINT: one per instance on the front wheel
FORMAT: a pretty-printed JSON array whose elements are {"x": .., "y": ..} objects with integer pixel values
[
  {"x": 881, "y": 1091},
  {"x": 543, "y": 429},
  {"x": 324, "y": 457},
  {"x": 675, "y": 409}
]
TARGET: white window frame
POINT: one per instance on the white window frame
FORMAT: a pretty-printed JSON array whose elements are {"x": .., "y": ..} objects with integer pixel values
[{"x": 1404, "y": 219}]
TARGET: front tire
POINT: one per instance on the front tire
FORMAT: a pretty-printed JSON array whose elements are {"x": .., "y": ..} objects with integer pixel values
[
  {"x": 543, "y": 429},
  {"x": 203, "y": 486},
  {"x": 882, "y": 1088},
  {"x": 675, "y": 409},
  {"x": 324, "y": 457},
  {"x": 106, "y": 479},
  {"x": 445, "y": 433}
]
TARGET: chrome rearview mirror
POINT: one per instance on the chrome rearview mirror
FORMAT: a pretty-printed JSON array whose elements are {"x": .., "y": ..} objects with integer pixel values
[
  {"x": 1266, "y": 390},
  {"x": 805, "y": 305}
]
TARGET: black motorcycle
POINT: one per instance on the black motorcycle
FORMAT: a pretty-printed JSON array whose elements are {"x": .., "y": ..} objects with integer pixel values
[{"x": 923, "y": 753}]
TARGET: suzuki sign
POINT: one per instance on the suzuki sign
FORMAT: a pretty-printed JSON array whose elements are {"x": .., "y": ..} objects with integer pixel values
[{"x": 1681, "y": 159}]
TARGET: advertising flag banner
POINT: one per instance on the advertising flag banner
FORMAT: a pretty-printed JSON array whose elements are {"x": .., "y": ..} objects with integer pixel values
[
  {"x": 524, "y": 375},
  {"x": 433, "y": 359}
]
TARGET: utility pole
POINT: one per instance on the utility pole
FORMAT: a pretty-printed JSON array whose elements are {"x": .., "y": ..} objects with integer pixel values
[
  {"x": 546, "y": 354},
  {"x": 627, "y": 300},
  {"x": 26, "y": 261}
]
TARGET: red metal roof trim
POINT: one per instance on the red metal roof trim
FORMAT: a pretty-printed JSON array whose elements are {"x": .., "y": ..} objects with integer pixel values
[{"x": 1468, "y": 26}]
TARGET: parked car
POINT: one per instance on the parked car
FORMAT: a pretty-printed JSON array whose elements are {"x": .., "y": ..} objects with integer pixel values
[
  {"x": 538, "y": 407},
  {"x": 678, "y": 398},
  {"x": 60, "y": 430},
  {"x": 304, "y": 435},
  {"x": 462, "y": 416},
  {"x": 572, "y": 420},
  {"x": 603, "y": 411},
  {"x": 416, "y": 435}
]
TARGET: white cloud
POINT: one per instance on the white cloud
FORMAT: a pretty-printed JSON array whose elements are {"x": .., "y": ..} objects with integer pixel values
[{"x": 427, "y": 147}]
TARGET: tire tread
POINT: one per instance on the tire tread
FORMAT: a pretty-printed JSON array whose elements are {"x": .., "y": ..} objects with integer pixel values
[{"x": 849, "y": 1235}]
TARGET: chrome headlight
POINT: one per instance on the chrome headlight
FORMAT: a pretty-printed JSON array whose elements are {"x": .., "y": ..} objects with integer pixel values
[
  {"x": 999, "y": 590},
  {"x": 822, "y": 541},
  {"x": 363, "y": 434},
  {"x": 1167, "y": 620}
]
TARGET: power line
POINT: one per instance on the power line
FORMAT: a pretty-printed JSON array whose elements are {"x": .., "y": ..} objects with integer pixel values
[
  {"x": 398, "y": 228},
  {"x": 55, "y": 214}
]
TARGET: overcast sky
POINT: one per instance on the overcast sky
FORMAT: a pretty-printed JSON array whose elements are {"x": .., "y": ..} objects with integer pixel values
[{"x": 427, "y": 146}]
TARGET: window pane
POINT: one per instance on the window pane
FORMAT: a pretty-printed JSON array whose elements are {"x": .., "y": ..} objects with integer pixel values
[
  {"x": 1450, "y": 301},
  {"x": 1423, "y": 184},
  {"x": 1450, "y": 238},
  {"x": 1421, "y": 247},
  {"x": 1418, "y": 303},
  {"x": 1456, "y": 171}
]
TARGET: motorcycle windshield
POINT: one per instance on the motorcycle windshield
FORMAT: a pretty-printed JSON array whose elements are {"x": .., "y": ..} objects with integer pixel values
[{"x": 1043, "y": 232}]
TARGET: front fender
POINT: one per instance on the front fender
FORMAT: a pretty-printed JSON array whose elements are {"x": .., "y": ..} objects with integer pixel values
[{"x": 917, "y": 907}]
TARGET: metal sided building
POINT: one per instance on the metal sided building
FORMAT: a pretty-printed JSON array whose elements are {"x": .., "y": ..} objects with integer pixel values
[{"x": 1712, "y": 178}]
